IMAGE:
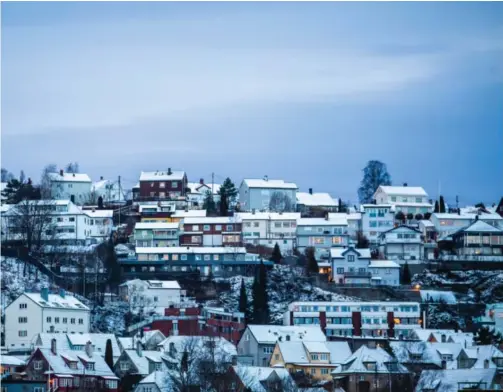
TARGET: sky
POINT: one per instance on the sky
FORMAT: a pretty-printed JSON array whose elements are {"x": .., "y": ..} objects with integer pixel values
[{"x": 305, "y": 92}]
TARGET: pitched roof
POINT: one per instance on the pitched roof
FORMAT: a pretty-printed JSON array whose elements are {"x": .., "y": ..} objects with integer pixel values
[
  {"x": 356, "y": 362},
  {"x": 162, "y": 379},
  {"x": 141, "y": 361},
  {"x": 416, "y": 352},
  {"x": 98, "y": 213},
  {"x": 189, "y": 213},
  {"x": 270, "y": 334},
  {"x": 68, "y": 341},
  {"x": 338, "y": 253},
  {"x": 480, "y": 227},
  {"x": 153, "y": 284},
  {"x": 211, "y": 219},
  {"x": 339, "y": 221},
  {"x": 57, "y": 302},
  {"x": 316, "y": 347},
  {"x": 198, "y": 188},
  {"x": 450, "y": 380},
  {"x": 252, "y": 377},
  {"x": 316, "y": 199},
  {"x": 276, "y": 184},
  {"x": 69, "y": 177},
  {"x": 467, "y": 215},
  {"x": 403, "y": 190},
  {"x": 11, "y": 360},
  {"x": 383, "y": 264},
  {"x": 162, "y": 176},
  {"x": 344, "y": 215},
  {"x": 483, "y": 354}
]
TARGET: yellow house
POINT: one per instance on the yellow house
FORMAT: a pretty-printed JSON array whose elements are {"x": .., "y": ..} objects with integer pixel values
[{"x": 315, "y": 359}]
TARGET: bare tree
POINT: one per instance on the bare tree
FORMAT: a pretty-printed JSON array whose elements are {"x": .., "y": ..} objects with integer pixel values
[
  {"x": 72, "y": 167},
  {"x": 45, "y": 180},
  {"x": 280, "y": 202},
  {"x": 139, "y": 303}
]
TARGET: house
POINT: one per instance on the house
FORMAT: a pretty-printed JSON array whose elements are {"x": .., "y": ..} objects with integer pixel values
[
  {"x": 465, "y": 339},
  {"x": 34, "y": 313},
  {"x": 75, "y": 187},
  {"x": 261, "y": 379},
  {"x": 363, "y": 319},
  {"x": 10, "y": 365},
  {"x": 480, "y": 357},
  {"x": 407, "y": 199},
  {"x": 159, "y": 185},
  {"x": 384, "y": 273},
  {"x": 66, "y": 369},
  {"x": 211, "y": 231},
  {"x": 401, "y": 243},
  {"x": 270, "y": 228},
  {"x": 157, "y": 381},
  {"x": 354, "y": 220},
  {"x": 165, "y": 211},
  {"x": 198, "y": 191},
  {"x": 350, "y": 265},
  {"x": 149, "y": 340},
  {"x": 267, "y": 195},
  {"x": 98, "y": 224},
  {"x": 151, "y": 295},
  {"x": 376, "y": 219},
  {"x": 311, "y": 204},
  {"x": 139, "y": 362},
  {"x": 416, "y": 356},
  {"x": 156, "y": 234},
  {"x": 371, "y": 369},
  {"x": 492, "y": 317},
  {"x": 457, "y": 380},
  {"x": 315, "y": 359},
  {"x": 109, "y": 191},
  {"x": 321, "y": 234},
  {"x": 258, "y": 341},
  {"x": 478, "y": 239},
  {"x": 16, "y": 384},
  {"x": 448, "y": 223}
]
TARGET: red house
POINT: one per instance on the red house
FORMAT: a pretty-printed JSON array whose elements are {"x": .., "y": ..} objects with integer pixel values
[
  {"x": 161, "y": 185},
  {"x": 211, "y": 231}
]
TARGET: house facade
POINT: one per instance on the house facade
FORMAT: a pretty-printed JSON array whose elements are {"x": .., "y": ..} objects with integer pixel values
[
  {"x": 75, "y": 187},
  {"x": 354, "y": 220},
  {"x": 350, "y": 265},
  {"x": 154, "y": 295},
  {"x": 156, "y": 234},
  {"x": 479, "y": 239},
  {"x": 401, "y": 243},
  {"x": 109, "y": 191},
  {"x": 311, "y": 204},
  {"x": 395, "y": 320},
  {"x": 448, "y": 223},
  {"x": 321, "y": 234},
  {"x": 384, "y": 273},
  {"x": 376, "y": 219},
  {"x": 161, "y": 185},
  {"x": 198, "y": 191},
  {"x": 267, "y": 195},
  {"x": 407, "y": 199},
  {"x": 211, "y": 231},
  {"x": 34, "y": 313}
]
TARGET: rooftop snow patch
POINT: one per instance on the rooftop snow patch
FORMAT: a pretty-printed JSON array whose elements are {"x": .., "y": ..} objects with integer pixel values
[
  {"x": 69, "y": 177},
  {"x": 316, "y": 199},
  {"x": 162, "y": 176},
  {"x": 403, "y": 190},
  {"x": 272, "y": 333},
  {"x": 276, "y": 184}
]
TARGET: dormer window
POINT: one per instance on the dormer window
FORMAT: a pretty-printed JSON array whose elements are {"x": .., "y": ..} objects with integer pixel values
[
  {"x": 90, "y": 366},
  {"x": 370, "y": 365}
]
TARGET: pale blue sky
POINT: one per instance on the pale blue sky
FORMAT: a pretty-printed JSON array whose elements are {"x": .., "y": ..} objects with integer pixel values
[{"x": 307, "y": 92}]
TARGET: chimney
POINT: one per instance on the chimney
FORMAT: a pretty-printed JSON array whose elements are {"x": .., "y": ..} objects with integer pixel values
[
  {"x": 169, "y": 171},
  {"x": 101, "y": 178},
  {"x": 201, "y": 181},
  {"x": 266, "y": 178},
  {"x": 61, "y": 172},
  {"x": 404, "y": 184},
  {"x": 29, "y": 181},
  {"x": 62, "y": 293},
  {"x": 310, "y": 191},
  {"x": 253, "y": 211},
  {"x": 44, "y": 293},
  {"x": 53, "y": 346},
  {"x": 73, "y": 174},
  {"x": 138, "y": 348},
  {"x": 89, "y": 349}
]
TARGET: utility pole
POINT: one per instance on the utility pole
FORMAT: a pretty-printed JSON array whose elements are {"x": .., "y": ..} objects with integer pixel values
[{"x": 119, "y": 194}]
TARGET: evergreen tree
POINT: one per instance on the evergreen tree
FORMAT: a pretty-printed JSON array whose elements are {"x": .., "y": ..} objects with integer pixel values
[
  {"x": 342, "y": 206},
  {"x": 374, "y": 175},
  {"x": 227, "y": 193},
  {"x": 243, "y": 299},
  {"x": 406, "y": 274},
  {"x": 109, "y": 356},
  {"x": 362, "y": 242},
  {"x": 311, "y": 263},
  {"x": 437, "y": 208},
  {"x": 112, "y": 265},
  {"x": 442, "y": 205},
  {"x": 15, "y": 191},
  {"x": 486, "y": 336},
  {"x": 209, "y": 203},
  {"x": 427, "y": 216},
  {"x": 276, "y": 254}
]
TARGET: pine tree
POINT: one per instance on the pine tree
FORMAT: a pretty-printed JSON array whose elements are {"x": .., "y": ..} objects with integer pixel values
[
  {"x": 227, "y": 193},
  {"x": 362, "y": 242},
  {"x": 243, "y": 299},
  {"x": 209, "y": 203},
  {"x": 311, "y": 263},
  {"x": 109, "y": 356},
  {"x": 406, "y": 274},
  {"x": 442, "y": 205},
  {"x": 263, "y": 290},
  {"x": 437, "y": 208},
  {"x": 486, "y": 336},
  {"x": 276, "y": 254}
]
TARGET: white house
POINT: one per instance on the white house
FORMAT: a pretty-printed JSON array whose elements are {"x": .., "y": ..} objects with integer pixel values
[
  {"x": 354, "y": 220},
  {"x": 350, "y": 265},
  {"x": 72, "y": 186},
  {"x": 384, "y": 273},
  {"x": 447, "y": 223},
  {"x": 151, "y": 295},
  {"x": 408, "y": 199},
  {"x": 401, "y": 243},
  {"x": 307, "y": 202},
  {"x": 322, "y": 234},
  {"x": 256, "y": 194},
  {"x": 34, "y": 313},
  {"x": 108, "y": 190},
  {"x": 197, "y": 193},
  {"x": 376, "y": 219},
  {"x": 269, "y": 228}
]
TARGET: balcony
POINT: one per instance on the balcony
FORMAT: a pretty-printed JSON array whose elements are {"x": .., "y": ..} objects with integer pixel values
[{"x": 357, "y": 274}]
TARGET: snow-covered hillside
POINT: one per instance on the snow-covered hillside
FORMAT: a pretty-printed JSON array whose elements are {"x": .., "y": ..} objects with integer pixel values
[{"x": 284, "y": 285}]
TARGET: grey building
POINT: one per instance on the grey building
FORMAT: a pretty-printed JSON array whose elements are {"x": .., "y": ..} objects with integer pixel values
[
  {"x": 267, "y": 195},
  {"x": 322, "y": 234}
]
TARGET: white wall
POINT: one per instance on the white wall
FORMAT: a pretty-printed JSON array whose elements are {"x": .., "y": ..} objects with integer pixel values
[
  {"x": 347, "y": 266},
  {"x": 389, "y": 276},
  {"x": 152, "y": 299},
  {"x": 64, "y": 190}
]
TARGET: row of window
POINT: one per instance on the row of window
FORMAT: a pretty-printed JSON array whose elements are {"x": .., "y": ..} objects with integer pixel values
[
  {"x": 174, "y": 184},
  {"x": 163, "y": 194},
  {"x": 356, "y": 308},
  {"x": 185, "y": 268},
  {"x": 327, "y": 230},
  {"x": 183, "y": 257},
  {"x": 404, "y": 199},
  {"x": 322, "y": 241},
  {"x": 65, "y": 320},
  {"x": 374, "y": 223},
  {"x": 406, "y": 236}
]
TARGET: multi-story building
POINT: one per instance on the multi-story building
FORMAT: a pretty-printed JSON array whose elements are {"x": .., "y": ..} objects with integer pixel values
[
  {"x": 34, "y": 313},
  {"x": 316, "y": 359},
  {"x": 401, "y": 243},
  {"x": 156, "y": 234},
  {"x": 160, "y": 185},
  {"x": 258, "y": 341},
  {"x": 446, "y": 224},
  {"x": 478, "y": 239},
  {"x": 211, "y": 231},
  {"x": 354, "y": 220},
  {"x": 384, "y": 273},
  {"x": 407, "y": 199},
  {"x": 311, "y": 204},
  {"x": 350, "y": 265},
  {"x": 75, "y": 187},
  {"x": 267, "y": 195},
  {"x": 321, "y": 234},
  {"x": 198, "y": 191},
  {"x": 376, "y": 219},
  {"x": 363, "y": 319},
  {"x": 492, "y": 317},
  {"x": 166, "y": 212},
  {"x": 151, "y": 295},
  {"x": 269, "y": 228}
]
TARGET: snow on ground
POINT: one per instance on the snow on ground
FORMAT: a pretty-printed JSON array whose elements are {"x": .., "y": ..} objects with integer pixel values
[{"x": 284, "y": 285}]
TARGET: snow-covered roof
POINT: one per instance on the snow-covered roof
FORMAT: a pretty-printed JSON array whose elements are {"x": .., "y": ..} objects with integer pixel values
[
  {"x": 344, "y": 215},
  {"x": 68, "y": 341},
  {"x": 483, "y": 354},
  {"x": 162, "y": 379},
  {"x": 383, "y": 264},
  {"x": 316, "y": 347},
  {"x": 141, "y": 361},
  {"x": 338, "y": 253},
  {"x": 426, "y": 223},
  {"x": 449, "y": 349},
  {"x": 452, "y": 380},
  {"x": 69, "y": 177},
  {"x": 416, "y": 352},
  {"x": 11, "y": 360},
  {"x": 339, "y": 221},
  {"x": 269, "y": 216},
  {"x": 198, "y": 188},
  {"x": 480, "y": 227},
  {"x": 190, "y": 250},
  {"x": 153, "y": 284},
  {"x": 276, "y": 184},
  {"x": 253, "y": 377},
  {"x": 189, "y": 213},
  {"x": 467, "y": 216},
  {"x": 356, "y": 362},
  {"x": 438, "y": 296},
  {"x": 316, "y": 199},
  {"x": 156, "y": 225},
  {"x": 211, "y": 220},
  {"x": 403, "y": 190},
  {"x": 270, "y": 334},
  {"x": 298, "y": 352},
  {"x": 162, "y": 176},
  {"x": 99, "y": 213},
  {"x": 222, "y": 347},
  {"x": 57, "y": 302}
]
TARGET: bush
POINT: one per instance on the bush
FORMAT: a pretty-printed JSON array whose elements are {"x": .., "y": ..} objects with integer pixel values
[
  {"x": 400, "y": 216},
  {"x": 410, "y": 216},
  {"x": 419, "y": 217},
  {"x": 427, "y": 216}
]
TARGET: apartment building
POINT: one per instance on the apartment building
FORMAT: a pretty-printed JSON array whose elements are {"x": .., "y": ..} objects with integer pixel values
[
  {"x": 267, "y": 195},
  {"x": 376, "y": 219},
  {"x": 156, "y": 234},
  {"x": 151, "y": 295},
  {"x": 407, "y": 199},
  {"x": 75, "y": 187},
  {"x": 211, "y": 231},
  {"x": 322, "y": 234}
]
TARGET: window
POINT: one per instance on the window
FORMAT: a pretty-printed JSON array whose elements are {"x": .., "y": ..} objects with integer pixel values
[
  {"x": 255, "y": 224},
  {"x": 124, "y": 365},
  {"x": 23, "y": 306},
  {"x": 72, "y": 219},
  {"x": 276, "y": 357},
  {"x": 195, "y": 227},
  {"x": 419, "y": 200},
  {"x": 195, "y": 239},
  {"x": 156, "y": 299},
  {"x": 65, "y": 320},
  {"x": 268, "y": 350},
  {"x": 277, "y": 224},
  {"x": 38, "y": 365},
  {"x": 56, "y": 320},
  {"x": 175, "y": 326},
  {"x": 152, "y": 194},
  {"x": 72, "y": 321},
  {"x": 162, "y": 185},
  {"x": 35, "y": 389},
  {"x": 198, "y": 257},
  {"x": 247, "y": 337},
  {"x": 340, "y": 270},
  {"x": 90, "y": 365},
  {"x": 48, "y": 319},
  {"x": 247, "y": 224},
  {"x": 313, "y": 372},
  {"x": 60, "y": 219},
  {"x": 23, "y": 320},
  {"x": 216, "y": 257},
  {"x": 351, "y": 257},
  {"x": 207, "y": 257},
  {"x": 184, "y": 257},
  {"x": 372, "y": 223},
  {"x": 324, "y": 371},
  {"x": 22, "y": 334},
  {"x": 336, "y": 240},
  {"x": 393, "y": 198},
  {"x": 286, "y": 224},
  {"x": 162, "y": 194},
  {"x": 314, "y": 357},
  {"x": 81, "y": 321},
  {"x": 206, "y": 227},
  {"x": 111, "y": 384}
]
